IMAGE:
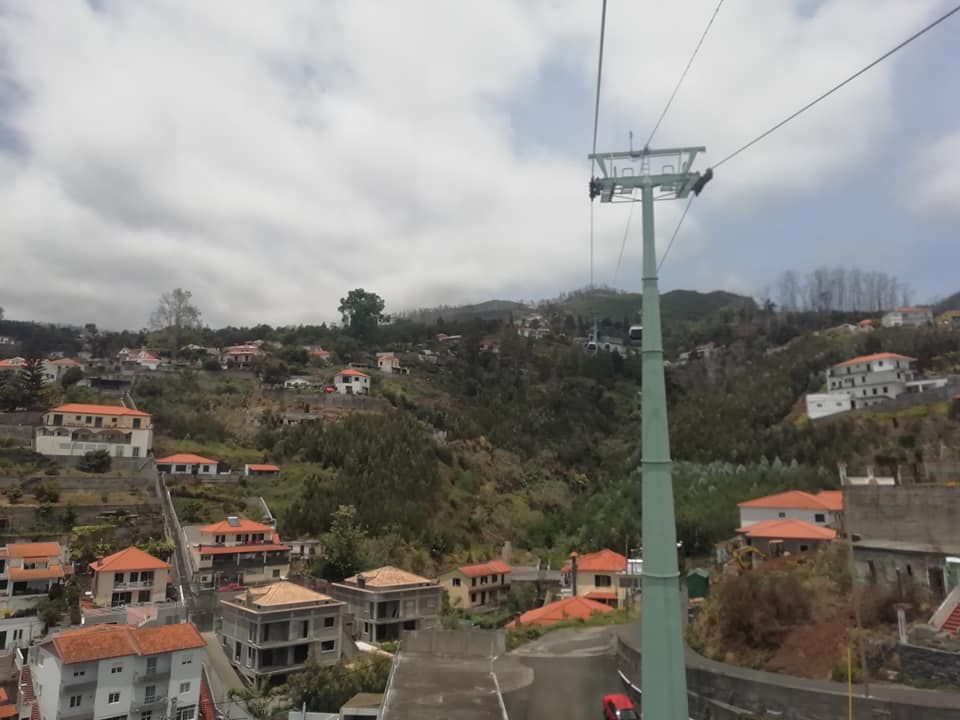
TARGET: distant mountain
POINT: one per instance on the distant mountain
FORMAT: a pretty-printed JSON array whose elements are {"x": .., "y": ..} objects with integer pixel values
[
  {"x": 489, "y": 310},
  {"x": 950, "y": 303}
]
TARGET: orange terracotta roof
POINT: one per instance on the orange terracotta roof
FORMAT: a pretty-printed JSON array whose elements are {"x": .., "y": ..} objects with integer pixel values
[
  {"x": 66, "y": 362},
  {"x": 605, "y": 560},
  {"x": 601, "y": 595},
  {"x": 185, "y": 459},
  {"x": 864, "y": 322},
  {"x": 788, "y": 530},
  {"x": 871, "y": 358},
  {"x": 263, "y": 468},
  {"x": 913, "y": 310},
  {"x": 352, "y": 372},
  {"x": 387, "y": 577},
  {"x": 85, "y": 409},
  {"x": 494, "y": 567},
  {"x": 102, "y": 642},
  {"x": 799, "y": 500},
  {"x": 244, "y": 526},
  {"x": 52, "y": 572},
  {"x": 31, "y": 550},
  {"x": 3, "y": 695},
  {"x": 26, "y": 685},
  {"x": 238, "y": 549},
  {"x": 833, "y": 499},
  {"x": 575, "y": 608},
  {"x": 132, "y": 558},
  {"x": 8, "y": 711}
]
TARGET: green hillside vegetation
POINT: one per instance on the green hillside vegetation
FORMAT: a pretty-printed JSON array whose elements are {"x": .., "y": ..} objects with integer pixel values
[{"x": 539, "y": 445}]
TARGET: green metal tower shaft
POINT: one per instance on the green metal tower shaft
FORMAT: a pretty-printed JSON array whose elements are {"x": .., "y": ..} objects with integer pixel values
[
  {"x": 663, "y": 674},
  {"x": 663, "y": 667}
]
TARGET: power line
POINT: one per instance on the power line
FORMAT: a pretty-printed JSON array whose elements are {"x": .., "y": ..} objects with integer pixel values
[
  {"x": 596, "y": 123},
  {"x": 623, "y": 244},
  {"x": 840, "y": 85},
  {"x": 676, "y": 230},
  {"x": 683, "y": 74}
]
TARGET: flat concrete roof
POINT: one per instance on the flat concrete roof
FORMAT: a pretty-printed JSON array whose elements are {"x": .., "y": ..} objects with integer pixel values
[
  {"x": 907, "y": 547},
  {"x": 363, "y": 700},
  {"x": 432, "y": 687}
]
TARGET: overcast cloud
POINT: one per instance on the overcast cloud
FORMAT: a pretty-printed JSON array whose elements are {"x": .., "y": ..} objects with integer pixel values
[{"x": 269, "y": 157}]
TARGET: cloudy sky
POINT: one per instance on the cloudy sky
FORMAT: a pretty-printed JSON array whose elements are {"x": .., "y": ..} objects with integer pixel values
[{"x": 271, "y": 156}]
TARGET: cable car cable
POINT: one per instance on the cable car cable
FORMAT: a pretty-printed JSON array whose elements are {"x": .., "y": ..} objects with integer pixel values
[
  {"x": 683, "y": 75},
  {"x": 596, "y": 124}
]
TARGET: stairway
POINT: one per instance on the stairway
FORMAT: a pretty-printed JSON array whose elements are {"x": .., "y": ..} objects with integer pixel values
[{"x": 952, "y": 623}]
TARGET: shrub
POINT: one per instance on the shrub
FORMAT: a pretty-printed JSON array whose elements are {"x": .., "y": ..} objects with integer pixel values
[
  {"x": 95, "y": 461},
  {"x": 14, "y": 493},
  {"x": 47, "y": 492}
]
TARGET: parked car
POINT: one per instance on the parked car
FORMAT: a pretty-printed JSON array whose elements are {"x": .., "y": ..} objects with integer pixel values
[{"x": 619, "y": 707}]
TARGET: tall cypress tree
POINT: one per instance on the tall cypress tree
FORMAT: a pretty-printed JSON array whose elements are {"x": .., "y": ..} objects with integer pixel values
[{"x": 32, "y": 380}]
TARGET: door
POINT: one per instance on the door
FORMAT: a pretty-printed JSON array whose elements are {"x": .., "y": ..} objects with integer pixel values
[{"x": 937, "y": 582}]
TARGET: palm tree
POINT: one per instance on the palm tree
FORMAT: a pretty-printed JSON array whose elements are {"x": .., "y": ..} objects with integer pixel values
[{"x": 262, "y": 699}]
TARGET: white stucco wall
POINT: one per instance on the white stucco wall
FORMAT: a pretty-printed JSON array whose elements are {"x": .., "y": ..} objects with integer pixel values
[{"x": 823, "y": 404}]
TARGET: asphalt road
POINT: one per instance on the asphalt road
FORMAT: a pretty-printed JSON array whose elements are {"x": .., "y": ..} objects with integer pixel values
[{"x": 572, "y": 670}]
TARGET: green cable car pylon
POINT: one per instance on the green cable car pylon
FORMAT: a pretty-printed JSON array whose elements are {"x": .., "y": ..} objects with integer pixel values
[{"x": 658, "y": 175}]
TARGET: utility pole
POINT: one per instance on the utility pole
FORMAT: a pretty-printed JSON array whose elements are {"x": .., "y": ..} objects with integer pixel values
[{"x": 659, "y": 175}]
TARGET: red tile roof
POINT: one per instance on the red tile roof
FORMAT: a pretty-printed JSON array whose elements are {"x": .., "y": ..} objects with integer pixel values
[
  {"x": 605, "y": 560},
  {"x": 352, "y": 372},
  {"x": 787, "y": 530},
  {"x": 871, "y": 358},
  {"x": 132, "y": 558},
  {"x": 8, "y": 711},
  {"x": 85, "y": 409},
  {"x": 831, "y": 500},
  {"x": 237, "y": 549},
  {"x": 244, "y": 526},
  {"x": 913, "y": 310},
  {"x": 207, "y": 711},
  {"x": 31, "y": 550},
  {"x": 601, "y": 595},
  {"x": 264, "y": 468},
  {"x": 494, "y": 567},
  {"x": 53, "y": 572},
  {"x": 186, "y": 459},
  {"x": 575, "y": 608},
  {"x": 66, "y": 362},
  {"x": 26, "y": 685},
  {"x": 102, "y": 642}
]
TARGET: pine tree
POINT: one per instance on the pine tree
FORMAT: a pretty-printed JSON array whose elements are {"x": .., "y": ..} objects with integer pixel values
[{"x": 32, "y": 379}]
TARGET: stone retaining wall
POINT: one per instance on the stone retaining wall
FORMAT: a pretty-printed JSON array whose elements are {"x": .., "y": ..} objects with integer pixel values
[
  {"x": 718, "y": 691},
  {"x": 930, "y": 665}
]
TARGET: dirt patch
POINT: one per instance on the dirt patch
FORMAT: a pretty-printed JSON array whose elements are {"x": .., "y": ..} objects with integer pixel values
[{"x": 812, "y": 650}]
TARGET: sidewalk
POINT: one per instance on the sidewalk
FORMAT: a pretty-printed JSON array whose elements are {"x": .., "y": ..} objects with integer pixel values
[{"x": 223, "y": 678}]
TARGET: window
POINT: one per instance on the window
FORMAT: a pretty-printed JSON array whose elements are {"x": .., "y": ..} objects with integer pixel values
[
  {"x": 187, "y": 713},
  {"x": 329, "y": 621},
  {"x": 187, "y": 660},
  {"x": 781, "y": 514},
  {"x": 473, "y": 582},
  {"x": 473, "y": 597},
  {"x": 184, "y": 687},
  {"x": 114, "y": 698},
  {"x": 885, "y": 391},
  {"x": 483, "y": 579},
  {"x": 874, "y": 391},
  {"x": 136, "y": 423},
  {"x": 909, "y": 570},
  {"x": 179, "y": 468},
  {"x": 219, "y": 539},
  {"x": 819, "y": 517},
  {"x": 151, "y": 665},
  {"x": 150, "y": 693},
  {"x": 456, "y": 582},
  {"x": 79, "y": 673},
  {"x": 276, "y": 573},
  {"x": 116, "y": 669},
  {"x": 75, "y": 700},
  {"x": 118, "y": 578},
  {"x": 602, "y": 581},
  {"x": 146, "y": 715},
  {"x": 328, "y": 646},
  {"x": 804, "y": 548}
]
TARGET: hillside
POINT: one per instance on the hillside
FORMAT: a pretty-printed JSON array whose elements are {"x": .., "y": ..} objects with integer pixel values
[{"x": 950, "y": 303}]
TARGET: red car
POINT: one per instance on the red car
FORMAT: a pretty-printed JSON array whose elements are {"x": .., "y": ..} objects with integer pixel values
[{"x": 618, "y": 707}]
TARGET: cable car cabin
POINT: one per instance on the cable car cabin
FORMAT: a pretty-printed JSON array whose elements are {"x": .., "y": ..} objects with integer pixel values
[
  {"x": 636, "y": 332},
  {"x": 591, "y": 346}
]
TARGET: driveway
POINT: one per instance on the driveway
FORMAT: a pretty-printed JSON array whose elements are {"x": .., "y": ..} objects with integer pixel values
[
  {"x": 571, "y": 670},
  {"x": 223, "y": 678}
]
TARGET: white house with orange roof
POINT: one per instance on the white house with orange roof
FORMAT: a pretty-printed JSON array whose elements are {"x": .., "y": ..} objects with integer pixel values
[
  {"x": 481, "y": 585},
  {"x": 604, "y": 576},
  {"x": 386, "y": 600},
  {"x": 77, "y": 428},
  {"x": 908, "y": 317},
  {"x": 187, "y": 464},
  {"x": 241, "y": 356},
  {"x": 129, "y": 577},
  {"x": 142, "y": 358},
  {"x": 862, "y": 382},
  {"x": 29, "y": 570},
  {"x": 55, "y": 369},
  {"x": 822, "y": 509},
  {"x": 389, "y": 363},
  {"x": 117, "y": 671},
  {"x": 351, "y": 382},
  {"x": 237, "y": 551}
]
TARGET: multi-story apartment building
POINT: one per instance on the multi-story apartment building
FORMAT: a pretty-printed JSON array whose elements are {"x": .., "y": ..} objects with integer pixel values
[
  {"x": 477, "y": 586},
  {"x": 129, "y": 577},
  {"x": 77, "y": 428},
  {"x": 871, "y": 379},
  {"x": 116, "y": 672},
  {"x": 387, "y": 600},
  {"x": 28, "y": 571},
  {"x": 273, "y": 630},
  {"x": 237, "y": 550}
]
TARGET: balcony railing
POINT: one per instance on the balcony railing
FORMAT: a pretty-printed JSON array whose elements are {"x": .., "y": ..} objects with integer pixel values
[
  {"x": 134, "y": 585},
  {"x": 150, "y": 675},
  {"x": 149, "y": 703}
]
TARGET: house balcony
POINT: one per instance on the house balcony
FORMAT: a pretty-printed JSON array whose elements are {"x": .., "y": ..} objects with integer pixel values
[
  {"x": 149, "y": 676},
  {"x": 137, "y": 585},
  {"x": 78, "y": 683},
  {"x": 154, "y": 702}
]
